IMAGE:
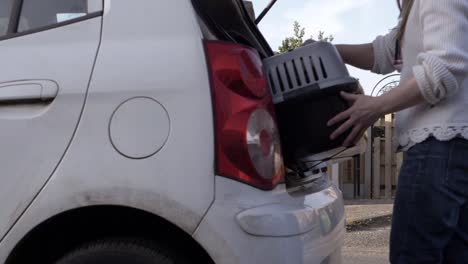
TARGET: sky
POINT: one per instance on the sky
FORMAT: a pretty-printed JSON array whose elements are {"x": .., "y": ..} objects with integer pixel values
[{"x": 349, "y": 21}]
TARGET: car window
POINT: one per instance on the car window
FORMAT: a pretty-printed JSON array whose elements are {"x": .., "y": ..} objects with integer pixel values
[
  {"x": 5, "y": 13},
  {"x": 36, "y": 14}
]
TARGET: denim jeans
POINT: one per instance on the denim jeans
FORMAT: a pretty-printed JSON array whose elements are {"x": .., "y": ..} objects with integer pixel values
[{"x": 430, "y": 219}]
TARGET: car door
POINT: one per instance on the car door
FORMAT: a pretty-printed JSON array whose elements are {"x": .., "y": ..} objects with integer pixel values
[{"x": 47, "y": 53}]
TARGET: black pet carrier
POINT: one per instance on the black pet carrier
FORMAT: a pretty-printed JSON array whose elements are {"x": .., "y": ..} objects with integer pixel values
[{"x": 305, "y": 84}]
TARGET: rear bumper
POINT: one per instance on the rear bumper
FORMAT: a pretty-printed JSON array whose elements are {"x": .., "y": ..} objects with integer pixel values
[{"x": 245, "y": 225}]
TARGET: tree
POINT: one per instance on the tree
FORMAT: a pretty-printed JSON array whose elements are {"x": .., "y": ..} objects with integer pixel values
[{"x": 297, "y": 40}]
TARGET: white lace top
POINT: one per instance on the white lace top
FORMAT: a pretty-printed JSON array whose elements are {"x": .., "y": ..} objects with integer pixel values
[{"x": 435, "y": 51}]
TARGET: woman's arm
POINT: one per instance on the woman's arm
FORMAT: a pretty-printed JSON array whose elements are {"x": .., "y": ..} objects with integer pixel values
[
  {"x": 406, "y": 95},
  {"x": 366, "y": 110},
  {"x": 360, "y": 56},
  {"x": 441, "y": 67},
  {"x": 377, "y": 56}
]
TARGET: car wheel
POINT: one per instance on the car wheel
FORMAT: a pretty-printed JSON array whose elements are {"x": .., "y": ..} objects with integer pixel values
[{"x": 120, "y": 252}]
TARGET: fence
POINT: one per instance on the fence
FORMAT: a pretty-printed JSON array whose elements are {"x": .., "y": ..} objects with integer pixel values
[{"x": 373, "y": 175}]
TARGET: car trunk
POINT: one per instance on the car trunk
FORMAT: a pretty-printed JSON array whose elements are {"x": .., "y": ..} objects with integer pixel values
[{"x": 232, "y": 21}]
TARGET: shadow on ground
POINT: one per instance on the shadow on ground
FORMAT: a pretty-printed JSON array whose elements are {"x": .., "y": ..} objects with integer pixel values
[{"x": 370, "y": 224}]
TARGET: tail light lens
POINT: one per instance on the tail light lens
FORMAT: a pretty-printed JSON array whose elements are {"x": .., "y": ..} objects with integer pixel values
[{"x": 247, "y": 141}]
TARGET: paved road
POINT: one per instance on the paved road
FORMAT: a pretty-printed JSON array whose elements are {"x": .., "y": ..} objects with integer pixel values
[{"x": 367, "y": 243}]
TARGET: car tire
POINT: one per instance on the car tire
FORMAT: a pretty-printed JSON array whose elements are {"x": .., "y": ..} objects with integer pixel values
[{"x": 121, "y": 252}]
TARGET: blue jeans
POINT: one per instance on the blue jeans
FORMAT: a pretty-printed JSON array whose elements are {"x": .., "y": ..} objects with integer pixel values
[{"x": 430, "y": 219}]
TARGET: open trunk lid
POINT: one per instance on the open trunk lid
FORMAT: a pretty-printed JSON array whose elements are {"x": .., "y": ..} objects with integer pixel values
[{"x": 230, "y": 20}]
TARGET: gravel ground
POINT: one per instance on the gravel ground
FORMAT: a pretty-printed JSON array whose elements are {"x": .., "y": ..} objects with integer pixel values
[{"x": 368, "y": 233}]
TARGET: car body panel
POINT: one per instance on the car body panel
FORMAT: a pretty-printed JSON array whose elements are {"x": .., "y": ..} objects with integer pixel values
[
  {"x": 36, "y": 133},
  {"x": 137, "y": 58},
  {"x": 307, "y": 229}
]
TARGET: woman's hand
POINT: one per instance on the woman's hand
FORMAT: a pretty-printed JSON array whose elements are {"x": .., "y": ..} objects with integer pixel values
[{"x": 364, "y": 112}]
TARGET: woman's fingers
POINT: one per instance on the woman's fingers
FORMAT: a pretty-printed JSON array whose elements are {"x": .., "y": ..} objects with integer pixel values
[
  {"x": 346, "y": 114},
  {"x": 355, "y": 136},
  {"x": 340, "y": 117},
  {"x": 350, "y": 97},
  {"x": 343, "y": 128}
]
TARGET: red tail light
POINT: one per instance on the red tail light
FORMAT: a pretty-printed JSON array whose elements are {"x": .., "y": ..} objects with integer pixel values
[{"x": 247, "y": 140}]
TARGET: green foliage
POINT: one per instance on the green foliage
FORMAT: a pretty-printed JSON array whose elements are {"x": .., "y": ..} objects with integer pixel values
[
  {"x": 297, "y": 39},
  {"x": 321, "y": 37}
]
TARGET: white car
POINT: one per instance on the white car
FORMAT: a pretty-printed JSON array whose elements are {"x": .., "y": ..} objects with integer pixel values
[{"x": 143, "y": 132}]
